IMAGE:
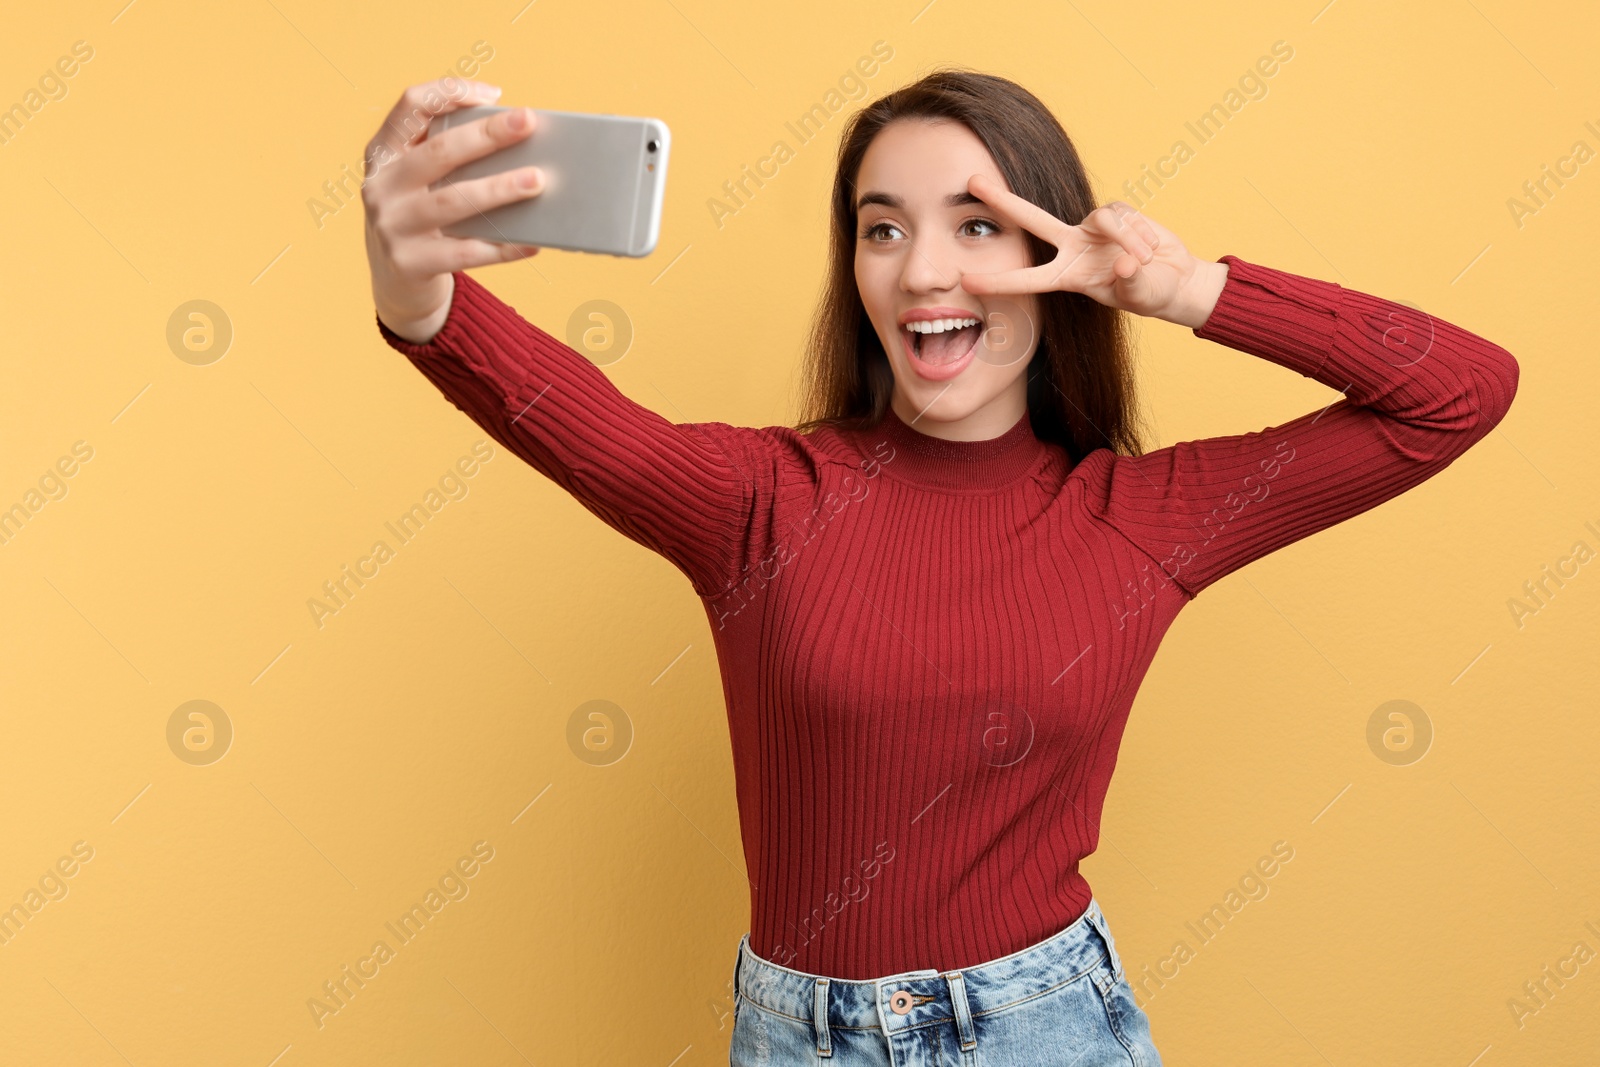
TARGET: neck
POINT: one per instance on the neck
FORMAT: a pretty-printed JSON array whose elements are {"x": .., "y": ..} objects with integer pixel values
[{"x": 990, "y": 420}]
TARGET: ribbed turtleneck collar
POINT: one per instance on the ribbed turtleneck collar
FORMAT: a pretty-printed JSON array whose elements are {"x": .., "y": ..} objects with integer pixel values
[{"x": 938, "y": 463}]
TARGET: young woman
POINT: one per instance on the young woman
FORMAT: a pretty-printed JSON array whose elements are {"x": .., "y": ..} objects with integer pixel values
[{"x": 934, "y": 600}]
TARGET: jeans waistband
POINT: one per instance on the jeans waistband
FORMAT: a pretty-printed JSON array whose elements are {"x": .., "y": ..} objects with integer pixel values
[{"x": 911, "y": 999}]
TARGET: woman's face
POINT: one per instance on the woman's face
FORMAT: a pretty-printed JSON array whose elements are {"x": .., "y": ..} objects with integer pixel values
[{"x": 918, "y": 231}]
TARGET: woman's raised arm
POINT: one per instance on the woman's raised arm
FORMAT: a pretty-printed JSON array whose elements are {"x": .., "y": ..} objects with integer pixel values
[
  {"x": 692, "y": 492},
  {"x": 1417, "y": 393}
]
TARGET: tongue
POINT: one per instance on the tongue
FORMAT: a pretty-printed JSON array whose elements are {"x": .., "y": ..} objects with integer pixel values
[{"x": 946, "y": 347}]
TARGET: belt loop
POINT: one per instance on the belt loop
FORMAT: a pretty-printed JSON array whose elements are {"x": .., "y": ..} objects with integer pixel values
[
  {"x": 1097, "y": 917},
  {"x": 819, "y": 1017},
  {"x": 958, "y": 999}
]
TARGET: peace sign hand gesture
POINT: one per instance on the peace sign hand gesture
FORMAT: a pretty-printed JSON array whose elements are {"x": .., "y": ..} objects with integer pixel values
[{"x": 1116, "y": 255}]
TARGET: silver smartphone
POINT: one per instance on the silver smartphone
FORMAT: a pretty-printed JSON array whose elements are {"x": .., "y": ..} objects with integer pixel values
[{"x": 604, "y": 179}]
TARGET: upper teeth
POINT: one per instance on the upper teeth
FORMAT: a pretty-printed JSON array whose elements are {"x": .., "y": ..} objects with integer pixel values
[{"x": 938, "y": 325}]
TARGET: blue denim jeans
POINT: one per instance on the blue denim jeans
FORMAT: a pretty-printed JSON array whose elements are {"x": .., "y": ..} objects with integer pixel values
[{"x": 1063, "y": 1002}]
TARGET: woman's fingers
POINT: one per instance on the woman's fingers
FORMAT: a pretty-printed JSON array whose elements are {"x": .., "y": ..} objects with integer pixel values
[
  {"x": 1015, "y": 209},
  {"x": 1119, "y": 223},
  {"x": 1040, "y": 279},
  {"x": 1116, "y": 224},
  {"x": 456, "y": 200},
  {"x": 1141, "y": 224},
  {"x": 408, "y": 120},
  {"x": 436, "y": 157},
  {"x": 1036, "y": 220}
]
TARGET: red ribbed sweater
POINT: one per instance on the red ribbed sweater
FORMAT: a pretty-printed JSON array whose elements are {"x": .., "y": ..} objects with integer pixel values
[{"x": 929, "y": 648}]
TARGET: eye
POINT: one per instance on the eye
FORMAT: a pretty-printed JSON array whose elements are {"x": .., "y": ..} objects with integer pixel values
[
  {"x": 981, "y": 222},
  {"x": 867, "y": 234}
]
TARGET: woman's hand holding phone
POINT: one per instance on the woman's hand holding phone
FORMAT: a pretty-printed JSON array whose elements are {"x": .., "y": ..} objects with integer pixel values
[{"x": 410, "y": 259}]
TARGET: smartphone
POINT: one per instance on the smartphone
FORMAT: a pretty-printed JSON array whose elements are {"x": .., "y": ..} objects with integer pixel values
[{"x": 604, "y": 179}]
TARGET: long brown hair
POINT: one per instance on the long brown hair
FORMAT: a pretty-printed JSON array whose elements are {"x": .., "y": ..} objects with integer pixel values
[{"x": 1080, "y": 380}]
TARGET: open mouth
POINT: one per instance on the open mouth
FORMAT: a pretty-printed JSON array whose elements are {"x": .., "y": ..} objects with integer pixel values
[{"x": 941, "y": 347}]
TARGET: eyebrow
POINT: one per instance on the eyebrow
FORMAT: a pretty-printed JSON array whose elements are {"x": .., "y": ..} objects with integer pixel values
[{"x": 890, "y": 200}]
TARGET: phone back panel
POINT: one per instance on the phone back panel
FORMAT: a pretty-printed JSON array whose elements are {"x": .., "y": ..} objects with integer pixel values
[{"x": 603, "y": 189}]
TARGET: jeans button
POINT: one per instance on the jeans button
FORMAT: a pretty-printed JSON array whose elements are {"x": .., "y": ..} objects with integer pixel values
[{"x": 900, "y": 1002}]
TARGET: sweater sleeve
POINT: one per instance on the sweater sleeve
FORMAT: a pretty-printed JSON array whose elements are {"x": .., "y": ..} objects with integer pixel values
[
  {"x": 688, "y": 491},
  {"x": 1418, "y": 392}
]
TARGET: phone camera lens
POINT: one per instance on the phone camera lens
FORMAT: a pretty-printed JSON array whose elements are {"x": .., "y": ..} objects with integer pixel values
[{"x": 650, "y": 146}]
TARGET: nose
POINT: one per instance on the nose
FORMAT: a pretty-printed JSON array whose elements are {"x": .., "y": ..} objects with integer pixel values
[{"x": 929, "y": 266}]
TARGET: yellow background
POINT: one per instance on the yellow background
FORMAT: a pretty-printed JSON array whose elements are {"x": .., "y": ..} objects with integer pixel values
[{"x": 432, "y": 712}]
